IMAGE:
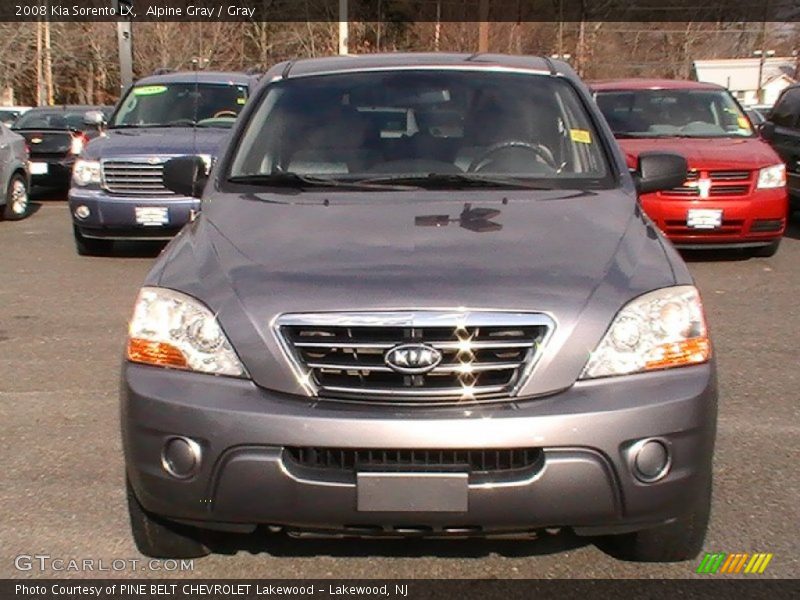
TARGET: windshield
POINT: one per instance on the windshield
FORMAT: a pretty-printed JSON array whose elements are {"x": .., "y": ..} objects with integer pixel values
[
  {"x": 181, "y": 105},
  {"x": 53, "y": 119},
  {"x": 438, "y": 127},
  {"x": 670, "y": 113},
  {"x": 8, "y": 116}
]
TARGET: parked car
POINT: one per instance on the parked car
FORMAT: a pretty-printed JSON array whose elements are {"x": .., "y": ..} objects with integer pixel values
[
  {"x": 9, "y": 114},
  {"x": 735, "y": 194},
  {"x": 14, "y": 201},
  {"x": 117, "y": 190},
  {"x": 359, "y": 335},
  {"x": 56, "y": 136},
  {"x": 782, "y": 130}
]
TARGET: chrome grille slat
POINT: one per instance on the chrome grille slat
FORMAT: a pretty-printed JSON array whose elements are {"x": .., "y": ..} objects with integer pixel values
[
  {"x": 443, "y": 392},
  {"x": 135, "y": 177},
  {"x": 452, "y": 368},
  {"x": 485, "y": 355},
  {"x": 437, "y": 345}
]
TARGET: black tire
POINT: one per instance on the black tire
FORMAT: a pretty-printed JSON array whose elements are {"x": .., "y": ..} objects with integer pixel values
[
  {"x": 16, "y": 208},
  {"x": 90, "y": 246},
  {"x": 674, "y": 542},
  {"x": 159, "y": 538},
  {"x": 767, "y": 251}
]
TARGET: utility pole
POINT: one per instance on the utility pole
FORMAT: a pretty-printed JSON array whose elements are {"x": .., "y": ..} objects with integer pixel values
[
  {"x": 39, "y": 74},
  {"x": 343, "y": 28},
  {"x": 437, "y": 28},
  {"x": 48, "y": 64},
  {"x": 762, "y": 58},
  {"x": 125, "y": 45},
  {"x": 483, "y": 27}
]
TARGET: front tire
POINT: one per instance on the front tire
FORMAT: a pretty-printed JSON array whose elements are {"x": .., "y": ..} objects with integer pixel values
[
  {"x": 90, "y": 246},
  {"x": 159, "y": 538},
  {"x": 18, "y": 202},
  {"x": 677, "y": 541}
]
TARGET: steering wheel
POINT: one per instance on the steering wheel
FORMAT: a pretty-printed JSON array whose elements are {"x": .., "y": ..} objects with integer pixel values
[
  {"x": 540, "y": 151},
  {"x": 225, "y": 113}
]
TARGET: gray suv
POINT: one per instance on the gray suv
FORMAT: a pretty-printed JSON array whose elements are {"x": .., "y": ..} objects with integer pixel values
[
  {"x": 14, "y": 177},
  {"x": 421, "y": 299}
]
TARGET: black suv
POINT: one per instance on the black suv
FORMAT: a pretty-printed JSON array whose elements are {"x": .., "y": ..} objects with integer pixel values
[{"x": 782, "y": 131}]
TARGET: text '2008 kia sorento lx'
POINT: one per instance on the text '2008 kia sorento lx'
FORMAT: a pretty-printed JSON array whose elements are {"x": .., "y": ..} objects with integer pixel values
[{"x": 421, "y": 299}]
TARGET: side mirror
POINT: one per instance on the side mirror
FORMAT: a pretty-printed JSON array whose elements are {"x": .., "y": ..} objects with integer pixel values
[
  {"x": 186, "y": 176},
  {"x": 658, "y": 171},
  {"x": 767, "y": 131},
  {"x": 94, "y": 118}
]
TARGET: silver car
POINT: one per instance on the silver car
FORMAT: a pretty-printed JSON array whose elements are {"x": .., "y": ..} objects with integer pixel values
[
  {"x": 468, "y": 328},
  {"x": 14, "y": 178}
]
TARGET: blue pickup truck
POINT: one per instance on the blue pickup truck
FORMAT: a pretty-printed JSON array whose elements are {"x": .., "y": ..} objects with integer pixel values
[{"x": 117, "y": 190}]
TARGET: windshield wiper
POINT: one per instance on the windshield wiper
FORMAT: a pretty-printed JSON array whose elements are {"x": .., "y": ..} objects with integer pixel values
[
  {"x": 445, "y": 180},
  {"x": 296, "y": 180}
]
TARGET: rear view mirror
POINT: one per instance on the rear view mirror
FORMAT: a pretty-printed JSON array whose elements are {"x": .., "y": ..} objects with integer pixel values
[
  {"x": 767, "y": 131},
  {"x": 186, "y": 176},
  {"x": 658, "y": 171},
  {"x": 95, "y": 118}
]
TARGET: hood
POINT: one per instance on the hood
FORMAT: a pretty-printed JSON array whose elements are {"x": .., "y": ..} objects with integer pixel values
[
  {"x": 706, "y": 153},
  {"x": 172, "y": 141},
  {"x": 578, "y": 256}
]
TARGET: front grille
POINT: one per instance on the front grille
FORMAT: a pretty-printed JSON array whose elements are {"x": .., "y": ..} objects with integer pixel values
[
  {"x": 349, "y": 460},
  {"x": 723, "y": 184},
  {"x": 135, "y": 177},
  {"x": 484, "y": 355}
]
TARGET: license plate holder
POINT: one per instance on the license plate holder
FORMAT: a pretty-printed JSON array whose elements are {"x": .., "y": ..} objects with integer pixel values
[
  {"x": 412, "y": 492},
  {"x": 704, "y": 218},
  {"x": 152, "y": 216},
  {"x": 38, "y": 168}
]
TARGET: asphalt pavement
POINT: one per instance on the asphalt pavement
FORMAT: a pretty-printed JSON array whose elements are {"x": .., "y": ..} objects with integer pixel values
[{"x": 62, "y": 329}]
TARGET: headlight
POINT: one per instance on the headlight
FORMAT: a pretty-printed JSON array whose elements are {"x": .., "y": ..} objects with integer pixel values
[
  {"x": 659, "y": 330},
  {"x": 171, "y": 329},
  {"x": 772, "y": 177},
  {"x": 86, "y": 172}
]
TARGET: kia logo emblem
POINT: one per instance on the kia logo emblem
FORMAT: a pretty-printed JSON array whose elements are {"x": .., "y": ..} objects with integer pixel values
[{"x": 413, "y": 359}]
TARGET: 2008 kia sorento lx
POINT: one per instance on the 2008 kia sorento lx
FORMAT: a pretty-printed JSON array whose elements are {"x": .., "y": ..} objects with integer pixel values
[{"x": 421, "y": 299}]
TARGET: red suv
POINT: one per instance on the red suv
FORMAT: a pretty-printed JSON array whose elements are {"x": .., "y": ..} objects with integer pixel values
[{"x": 735, "y": 193}]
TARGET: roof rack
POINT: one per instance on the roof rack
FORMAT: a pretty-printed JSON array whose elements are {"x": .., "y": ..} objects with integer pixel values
[{"x": 163, "y": 71}]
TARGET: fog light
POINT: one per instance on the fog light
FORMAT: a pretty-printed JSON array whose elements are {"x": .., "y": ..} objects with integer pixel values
[
  {"x": 181, "y": 457},
  {"x": 82, "y": 212},
  {"x": 651, "y": 460}
]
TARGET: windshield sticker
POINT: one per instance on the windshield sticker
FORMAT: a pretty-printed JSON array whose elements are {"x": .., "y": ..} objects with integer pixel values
[
  {"x": 149, "y": 90},
  {"x": 582, "y": 136},
  {"x": 241, "y": 101},
  {"x": 743, "y": 123}
]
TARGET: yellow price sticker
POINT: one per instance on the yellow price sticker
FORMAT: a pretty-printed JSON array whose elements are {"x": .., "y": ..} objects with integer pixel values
[
  {"x": 743, "y": 123},
  {"x": 582, "y": 136},
  {"x": 149, "y": 90}
]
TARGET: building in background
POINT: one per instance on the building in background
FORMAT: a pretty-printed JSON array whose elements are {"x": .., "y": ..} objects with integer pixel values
[{"x": 741, "y": 76}]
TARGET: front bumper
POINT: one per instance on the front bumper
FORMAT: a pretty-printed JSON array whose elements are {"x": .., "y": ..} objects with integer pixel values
[
  {"x": 114, "y": 216},
  {"x": 749, "y": 221},
  {"x": 585, "y": 480}
]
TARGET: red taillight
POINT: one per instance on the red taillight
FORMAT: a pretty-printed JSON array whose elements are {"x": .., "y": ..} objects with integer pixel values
[{"x": 79, "y": 141}]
